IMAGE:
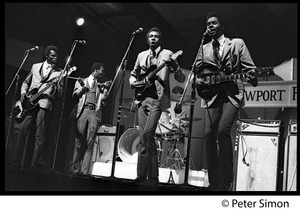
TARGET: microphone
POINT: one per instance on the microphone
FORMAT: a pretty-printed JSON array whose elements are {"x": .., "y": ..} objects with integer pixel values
[
  {"x": 138, "y": 31},
  {"x": 178, "y": 108},
  {"x": 206, "y": 33},
  {"x": 33, "y": 49},
  {"x": 83, "y": 42}
]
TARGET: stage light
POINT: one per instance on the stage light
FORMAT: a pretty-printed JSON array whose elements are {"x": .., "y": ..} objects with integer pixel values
[{"x": 80, "y": 21}]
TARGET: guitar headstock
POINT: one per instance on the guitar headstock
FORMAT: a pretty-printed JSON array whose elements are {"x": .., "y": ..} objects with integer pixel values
[
  {"x": 175, "y": 55},
  {"x": 70, "y": 70},
  {"x": 265, "y": 71}
]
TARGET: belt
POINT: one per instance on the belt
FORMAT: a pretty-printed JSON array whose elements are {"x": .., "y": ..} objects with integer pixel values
[{"x": 91, "y": 106}]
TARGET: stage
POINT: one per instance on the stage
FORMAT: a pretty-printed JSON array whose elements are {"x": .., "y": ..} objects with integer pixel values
[{"x": 53, "y": 181}]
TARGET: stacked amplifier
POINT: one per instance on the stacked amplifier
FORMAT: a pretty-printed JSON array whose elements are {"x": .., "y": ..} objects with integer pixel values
[{"x": 290, "y": 158}]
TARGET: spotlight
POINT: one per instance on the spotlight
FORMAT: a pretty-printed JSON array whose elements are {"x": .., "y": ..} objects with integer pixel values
[{"x": 80, "y": 21}]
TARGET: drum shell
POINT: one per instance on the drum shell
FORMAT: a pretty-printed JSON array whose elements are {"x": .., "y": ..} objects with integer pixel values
[{"x": 128, "y": 146}]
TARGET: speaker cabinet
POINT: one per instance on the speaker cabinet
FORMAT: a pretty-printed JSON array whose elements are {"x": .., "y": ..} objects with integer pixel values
[
  {"x": 290, "y": 159},
  {"x": 257, "y": 164},
  {"x": 103, "y": 149}
]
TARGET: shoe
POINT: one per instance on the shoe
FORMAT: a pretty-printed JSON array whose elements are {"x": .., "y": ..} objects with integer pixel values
[
  {"x": 139, "y": 179},
  {"x": 151, "y": 182},
  {"x": 219, "y": 187},
  {"x": 213, "y": 187},
  {"x": 224, "y": 187}
]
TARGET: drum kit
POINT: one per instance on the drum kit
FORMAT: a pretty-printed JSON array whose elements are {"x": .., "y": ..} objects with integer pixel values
[{"x": 167, "y": 130}]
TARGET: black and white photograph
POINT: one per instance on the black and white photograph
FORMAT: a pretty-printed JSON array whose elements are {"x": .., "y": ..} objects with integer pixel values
[{"x": 152, "y": 99}]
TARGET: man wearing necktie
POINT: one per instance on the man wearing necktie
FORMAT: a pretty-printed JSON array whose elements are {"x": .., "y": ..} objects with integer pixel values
[
  {"x": 38, "y": 76},
  {"x": 156, "y": 100},
  {"x": 88, "y": 115},
  {"x": 222, "y": 101}
]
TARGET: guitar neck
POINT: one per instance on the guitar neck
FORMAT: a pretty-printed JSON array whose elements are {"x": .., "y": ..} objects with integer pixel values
[
  {"x": 34, "y": 97},
  {"x": 225, "y": 78}
]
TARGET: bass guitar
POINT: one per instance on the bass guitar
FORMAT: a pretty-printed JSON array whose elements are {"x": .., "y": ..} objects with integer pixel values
[
  {"x": 31, "y": 99},
  {"x": 146, "y": 81},
  {"x": 208, "y": 81}
]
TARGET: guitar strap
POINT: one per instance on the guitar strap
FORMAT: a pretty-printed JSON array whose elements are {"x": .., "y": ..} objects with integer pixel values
[{"x": 46, "y": 77}]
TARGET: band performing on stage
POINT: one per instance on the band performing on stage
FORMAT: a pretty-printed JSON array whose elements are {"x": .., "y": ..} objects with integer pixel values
[{"x": 153, "y": 123}]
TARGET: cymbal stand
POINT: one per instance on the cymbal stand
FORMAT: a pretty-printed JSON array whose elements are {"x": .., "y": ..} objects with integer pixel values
[
  {"x": 173, "y": 154},
  {"x": 11, "y": 116}
]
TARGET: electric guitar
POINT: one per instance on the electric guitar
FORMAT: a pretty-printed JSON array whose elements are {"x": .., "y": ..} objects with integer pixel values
[
  {"x": 145, "y": 81},
  {"x": 31, "y": 99},
  {"x": 208, "y": 81}
]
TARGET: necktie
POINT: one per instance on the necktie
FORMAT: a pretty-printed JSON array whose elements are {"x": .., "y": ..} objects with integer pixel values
[
  {"x": 152, "y": 58},
  {"x": 216, "y": 47},
  {"x": 93, "y": 84}
]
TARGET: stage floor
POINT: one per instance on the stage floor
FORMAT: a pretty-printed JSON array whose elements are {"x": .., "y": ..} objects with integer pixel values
[{"x": 23, "y": 182}]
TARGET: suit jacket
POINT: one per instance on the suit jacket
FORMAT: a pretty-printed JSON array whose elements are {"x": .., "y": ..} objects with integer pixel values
[
  {"x": 33, "y": 80},
  {"x": 141, "y": 66},
  {"x": 235, "y": 59},
  {"x": 82, "y": 99}
]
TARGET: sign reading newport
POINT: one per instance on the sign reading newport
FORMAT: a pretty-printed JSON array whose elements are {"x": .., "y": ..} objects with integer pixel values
[{"x": 272, "y": 94}]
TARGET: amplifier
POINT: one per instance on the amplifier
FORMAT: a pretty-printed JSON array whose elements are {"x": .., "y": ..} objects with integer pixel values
[
  {"x": 259, "y": 126},
  {"x": 290, "y": 158},
  {"x": 106, "y": 129}
]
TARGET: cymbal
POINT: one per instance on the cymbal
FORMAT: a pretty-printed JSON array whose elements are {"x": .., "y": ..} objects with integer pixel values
[
  {"x": 177, "y": 97},
  {"x": 188, "y": 119}
]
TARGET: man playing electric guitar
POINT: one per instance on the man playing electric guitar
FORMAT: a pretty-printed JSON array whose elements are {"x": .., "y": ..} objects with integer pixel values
[
  {"x": 222, "y": 104},
  {"x": 152, "y": 101},
  {"x": 40, "y": 73}
]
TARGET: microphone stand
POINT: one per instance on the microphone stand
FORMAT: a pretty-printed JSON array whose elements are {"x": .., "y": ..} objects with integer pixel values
[
  {"x": 122, "y": 65},
  {"x": 186, "y": 175},
  {"x": 12, "y": 116},
  {"x": 63, "y": 103}
]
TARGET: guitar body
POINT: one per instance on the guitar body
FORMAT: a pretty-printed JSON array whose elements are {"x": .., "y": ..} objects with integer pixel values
[
  {"x": 143, "y": 91},
  {"x": 208, "y": 91},
  {"x": 31, "y": 100},
  {"x": 21, "y": 109}
]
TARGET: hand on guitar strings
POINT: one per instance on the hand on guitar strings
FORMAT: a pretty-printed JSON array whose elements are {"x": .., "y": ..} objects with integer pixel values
[{"x": 172, "y": 63}]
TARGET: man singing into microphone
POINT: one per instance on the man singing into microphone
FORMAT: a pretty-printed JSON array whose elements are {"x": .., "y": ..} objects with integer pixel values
[
  {"x": 222, "y": 101},
  {"x": 40, "y": 74},
  {"x": 152, "y": 102}
]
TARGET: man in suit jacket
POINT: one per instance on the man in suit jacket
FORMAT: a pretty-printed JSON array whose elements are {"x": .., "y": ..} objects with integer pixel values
[
  {"x": 40, "y": 75},
  {"x": 154, "y": 100},
  {"x": 222, "y": 101},
  {"x": 90, "y": 95}
]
